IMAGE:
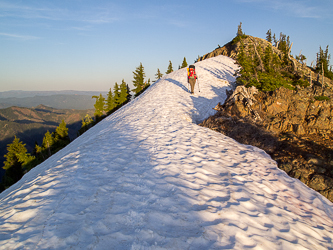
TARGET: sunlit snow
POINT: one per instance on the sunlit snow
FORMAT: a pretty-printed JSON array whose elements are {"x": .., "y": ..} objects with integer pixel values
[{"x": 148, "y": 177}]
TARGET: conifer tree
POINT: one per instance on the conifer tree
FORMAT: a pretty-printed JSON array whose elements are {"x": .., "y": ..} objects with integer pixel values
[
  {"x": 129, "y": 95},
  {"x": 110, "y": 104},
  {"x": 87, "y": 122},
  {"x": 99, "y": 106},
  {"x": 268, "y": 54},
  {"x": 158, "y": 74},
  {"x": 269, "y": 36},
  {"x": 17, "y": 158},
  {"x": 284, "y": 44},
  {"x": 184, "y": 64},
  {"x": 139, "y": 77},
  {"x": 323, "y": 61},
  {"x": 300, "y": 58},
  {"x": 116, "y": 94},
  {"x": 170, "y": 69},
  {"x": 39, "y": 152},
  {"x": 61, "y": 131},
  {"x": 12, "y": 165},
  {"x": 123, "y": 93},
  {"x": 246, "y": 71},
  {"x": 61, "y": 138},
  {"x": 239, "y": 30},
  {"x": 274, "y": 40},
  {"x": 48, "y": 142},
  {"x": 17, "y": 152}
]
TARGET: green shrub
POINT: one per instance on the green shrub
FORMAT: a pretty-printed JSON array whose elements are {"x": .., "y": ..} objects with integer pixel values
[
  {"x": 238, "y": 38},
  {"x": 322, "y": 98},
  {"x": 302, "y": 83},
  {"x": 329, "y": 75},
  {"x": 276, "y": 73}
]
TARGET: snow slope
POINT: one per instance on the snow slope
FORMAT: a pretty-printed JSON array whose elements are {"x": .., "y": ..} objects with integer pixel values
[{"x": 148, "y": 177}]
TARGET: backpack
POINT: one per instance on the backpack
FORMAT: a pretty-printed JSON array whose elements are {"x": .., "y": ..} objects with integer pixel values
[{"x": 191, "y": 71}]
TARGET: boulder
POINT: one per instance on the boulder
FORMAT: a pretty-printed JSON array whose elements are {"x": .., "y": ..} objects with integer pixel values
[{"x": 321, "y": 183}]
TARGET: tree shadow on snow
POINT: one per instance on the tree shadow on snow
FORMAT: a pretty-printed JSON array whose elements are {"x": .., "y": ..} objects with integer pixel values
[
  {"x": 203, "y": 107},
  {"x": 179, "y": 84}
]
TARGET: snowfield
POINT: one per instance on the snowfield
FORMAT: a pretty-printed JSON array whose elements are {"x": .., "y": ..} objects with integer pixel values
[{"x": 148, "y": 177}]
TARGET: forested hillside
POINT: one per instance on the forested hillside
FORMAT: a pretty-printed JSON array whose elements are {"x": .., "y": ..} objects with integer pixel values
[{"x": 30, "y": 124}]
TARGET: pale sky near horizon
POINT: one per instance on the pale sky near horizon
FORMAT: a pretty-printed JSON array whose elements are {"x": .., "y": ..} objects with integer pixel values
[{"x": 90, "y": 45}]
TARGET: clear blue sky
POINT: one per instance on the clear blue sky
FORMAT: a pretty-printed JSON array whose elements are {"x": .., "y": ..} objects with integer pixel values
[{"x": 90, "y": 45}]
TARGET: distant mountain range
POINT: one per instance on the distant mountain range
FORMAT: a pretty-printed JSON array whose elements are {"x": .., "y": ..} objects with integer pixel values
[
  {"x": 22, "y": 93},
  {"x": 68, "y": 99},
  {"x": 30, "y": 124}
]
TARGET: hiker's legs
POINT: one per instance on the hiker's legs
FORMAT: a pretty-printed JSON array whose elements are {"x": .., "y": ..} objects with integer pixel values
[{"x": 192, "y": 83}]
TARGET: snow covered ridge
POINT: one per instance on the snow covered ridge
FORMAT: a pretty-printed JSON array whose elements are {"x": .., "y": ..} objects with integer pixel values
[{"x": 148, "y": 177}]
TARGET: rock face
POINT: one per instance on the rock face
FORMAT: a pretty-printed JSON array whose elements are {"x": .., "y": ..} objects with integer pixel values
[
  {"x": 296, "y": 111},
  {"x": 293, "y": 126}
]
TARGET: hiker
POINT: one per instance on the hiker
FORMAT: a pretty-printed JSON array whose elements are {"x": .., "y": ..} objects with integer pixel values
[{"x": 191, "y": 77}]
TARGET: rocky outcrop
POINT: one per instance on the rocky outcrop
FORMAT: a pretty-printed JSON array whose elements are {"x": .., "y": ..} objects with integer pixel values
[
  {"x": 293, "y": 126},
  {"x": 301, "y": 111},
  {"x": 232, "y": 49}
]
